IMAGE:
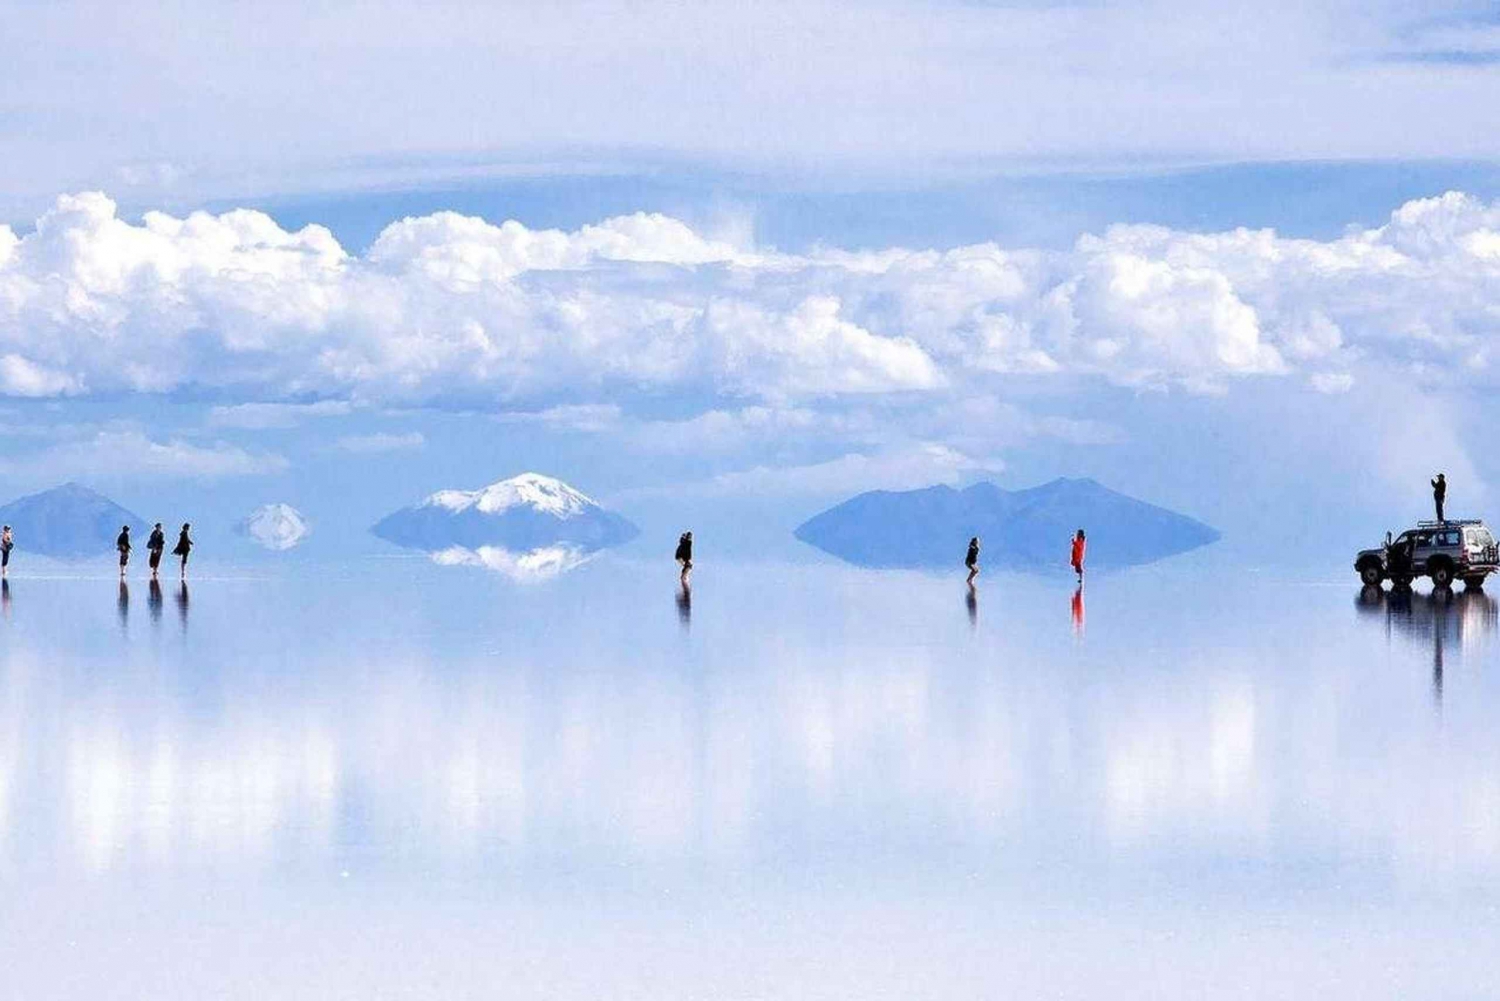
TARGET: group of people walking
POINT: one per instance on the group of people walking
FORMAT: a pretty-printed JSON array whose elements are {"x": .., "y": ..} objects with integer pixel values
[
  {"x": 155, "y": 545},
  {"x": 1076, "y": 551}
]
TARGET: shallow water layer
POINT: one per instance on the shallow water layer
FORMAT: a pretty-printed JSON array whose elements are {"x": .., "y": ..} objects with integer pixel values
[{"x": 395, "y": 779}]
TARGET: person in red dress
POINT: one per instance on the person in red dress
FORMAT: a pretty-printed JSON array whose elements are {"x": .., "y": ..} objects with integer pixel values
[{"x": 1079, "y": 545}]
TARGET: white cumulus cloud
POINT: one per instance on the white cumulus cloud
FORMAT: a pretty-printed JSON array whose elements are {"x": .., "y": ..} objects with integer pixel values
[
  {"x": 451, "y": 309},
  {"x": 381, "y": 442},
  {"x": 129, "y": 453}
]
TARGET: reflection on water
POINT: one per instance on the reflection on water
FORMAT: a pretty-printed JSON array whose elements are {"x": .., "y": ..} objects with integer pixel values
[
  {"x": 5, "y": 596},
  {"x": 182, "y": 604},
  {"x": 529, "y": 566},
  {"x": 971, "y": 602},
  {"x": 839, "y": 738},
  {"x": 154, "y": 600},
  {"x": 123, "y": 604},
  {"x": 685, "y": 603},
  {"x": 1450, "y": 621}
]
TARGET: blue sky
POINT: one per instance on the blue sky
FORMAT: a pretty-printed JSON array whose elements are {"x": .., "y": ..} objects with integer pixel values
[{"x": 759, "y": 258}]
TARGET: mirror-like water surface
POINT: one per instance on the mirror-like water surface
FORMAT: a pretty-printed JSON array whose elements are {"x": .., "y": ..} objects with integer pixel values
[{"x": 397, "y": 779}]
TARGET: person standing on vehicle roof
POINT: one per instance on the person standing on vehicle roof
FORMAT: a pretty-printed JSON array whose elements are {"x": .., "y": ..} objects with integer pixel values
[{"x": 1439, "y": 494}]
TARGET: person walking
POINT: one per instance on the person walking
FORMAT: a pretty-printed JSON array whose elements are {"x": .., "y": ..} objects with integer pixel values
[
  {"x": 183, "y": 547},
  {"x": 1080, "y": 544},
  {"x": 684, "y": 554},
  {"x": 971, "y": 559},
  {"x": 6, "y": 545},
  {"x": 154, "y": 546},
  {"x": 1439, "y": 494},
  {"x": 122, "y": 543}
]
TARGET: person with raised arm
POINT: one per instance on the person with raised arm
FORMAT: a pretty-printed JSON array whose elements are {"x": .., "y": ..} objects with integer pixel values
[
  {"x": 1439, "y": 494},
  {"x": 183, "y": 547}
]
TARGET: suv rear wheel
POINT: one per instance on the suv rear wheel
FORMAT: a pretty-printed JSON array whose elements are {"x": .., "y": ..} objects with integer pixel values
[
  {"x": 1475, "y": 583},
  {"x": 1442, "y": 575}
]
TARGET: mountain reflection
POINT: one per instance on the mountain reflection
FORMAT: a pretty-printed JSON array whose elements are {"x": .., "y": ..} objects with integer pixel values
[
  {"x": 532, "y": 565},
  {"x": 426, "y": 721}
]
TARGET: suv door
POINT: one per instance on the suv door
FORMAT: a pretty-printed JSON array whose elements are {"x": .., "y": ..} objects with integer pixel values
[{"x": 1421, "y": 551}]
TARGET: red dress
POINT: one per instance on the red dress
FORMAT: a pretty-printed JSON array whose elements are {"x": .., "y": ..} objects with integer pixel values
[{"x": 1078, "y": 547}]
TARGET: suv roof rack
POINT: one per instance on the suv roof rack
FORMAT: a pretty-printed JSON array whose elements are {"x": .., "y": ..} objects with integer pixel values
[{"x": 1450, "y": 521}]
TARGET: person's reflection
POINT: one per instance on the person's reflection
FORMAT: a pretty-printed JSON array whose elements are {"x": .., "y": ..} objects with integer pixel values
[
  {"x": 5, "y": 597},
  {"x": 124, "y": 604},
  {"x": 685, "y": 603},
  {"x": 1446, "y": 619},
  {"x": 1078, "y": 611},
  {"x": 153, "y": 600},
  {"x": 971, "y": 600},
  {"x": 182, "y": 604},
  {"x": 1441, "y": 599}
]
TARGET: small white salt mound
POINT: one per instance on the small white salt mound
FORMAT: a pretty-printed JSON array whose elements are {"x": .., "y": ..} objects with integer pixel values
[{"x": 278, "y": 527}]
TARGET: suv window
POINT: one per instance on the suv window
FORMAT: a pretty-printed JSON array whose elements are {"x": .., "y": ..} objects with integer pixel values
[
  {"x": 1447, "y": 538},
  {"x": 1423, "y": 541},
  {"x": 1480, "y": 537}
]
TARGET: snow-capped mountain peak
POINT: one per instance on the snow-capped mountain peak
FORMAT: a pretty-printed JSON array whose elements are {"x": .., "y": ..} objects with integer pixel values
[{"x": 533, "y": 490}]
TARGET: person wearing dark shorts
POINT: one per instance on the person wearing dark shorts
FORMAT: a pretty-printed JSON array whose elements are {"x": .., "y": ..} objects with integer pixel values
[
  {"x": 154, "y": 546},
  {"x": 122, "y": 543},
  {"x": 971, "y": 559},
  {"x": 6, "y": 545},
  {"x": 183, "y": 547}
]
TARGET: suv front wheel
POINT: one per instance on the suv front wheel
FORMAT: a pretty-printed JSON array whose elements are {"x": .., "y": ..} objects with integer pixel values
[
  {"x": 1371, "y": 575},
  {"x": 1442, "y": 575}
]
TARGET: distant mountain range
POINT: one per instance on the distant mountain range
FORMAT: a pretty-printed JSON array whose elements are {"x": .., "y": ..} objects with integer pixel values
[
  {"x": 69, "y": 522},
  {"x": 1021, "y": 528},
  {"x": 526, "y": 513}
]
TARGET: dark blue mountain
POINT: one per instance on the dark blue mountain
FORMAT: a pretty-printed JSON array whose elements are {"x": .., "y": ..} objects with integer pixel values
[
  {"x": 69, "y": 522},
  {"x": 1021, "y": 528}
]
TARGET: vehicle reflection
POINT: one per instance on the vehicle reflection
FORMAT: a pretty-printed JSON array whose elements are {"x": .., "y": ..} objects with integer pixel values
[{"x": 1451, "y": 621}]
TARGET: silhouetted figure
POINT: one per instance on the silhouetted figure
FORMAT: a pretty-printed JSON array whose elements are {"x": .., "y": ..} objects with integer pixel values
[
  {"x": 684, "y": 554},
  {"x": 1077, "y": 607},
  {"x": 971, "y": 602},
  {"x": 182, "y": 604},
  {"x": 685, "y": 604},
  {"x": 1439, "y": 494},
  {"x": 124, "y": 603},
  {"x": 183, "y": 547},
  {"x": 6, "y": 545},
  {"x": 1080, "y": 545},
  {"x": 154, "y": 546},
  {"x": 123, "y": 545},
  {"x": 1399, "y": 560},
  {"x": 153, "y": 599},
  {"x": 971, "y": 559}
]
